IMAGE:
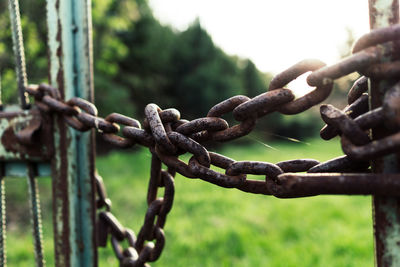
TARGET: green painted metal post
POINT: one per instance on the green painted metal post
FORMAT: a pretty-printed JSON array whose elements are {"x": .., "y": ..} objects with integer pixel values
[
  {"x": 70, "y": 45},
  {"x": 386, "y": 210}
]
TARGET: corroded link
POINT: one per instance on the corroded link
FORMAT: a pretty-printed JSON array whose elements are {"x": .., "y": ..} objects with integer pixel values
[
  {"x": 347, "y": 126},
  {"x": 359, "y": 87},
  {"x": 384, "y": 146},
  {"x": 117, "y": 248},
  {"x": 371, "y": 118},
  {"x": 191, "y": 146},
  {"x": 97, "y": 123},
  {"x": 33, "y": 90},
  {"x": 297, "y": 165},
  {"x": 202, "y": 124},
  {"x": 360, "y": 106},
  {"x": 377, "y": 36},
  {"x": 220, "y": 161},
  {"x": 103, "y": 200},
  {"x": 159, "y": 245},
  {"x": 157, "y": 128},
  {"x": 168, "y": 199},
  {"x": 293, "y": 72},
  {"x": 358, "y": 61},
  {"x": 123, "y": 120},
  {"x": 391, "y": 107},
  {"x": 255, "y": 187},
  {"x": 144, "y": 255},
  {"x": 175, "y": 163},
  {"x": 155, "y": 179},
  {"x": 82, "y": 105},
  {"x": 236, "y": 131},
  {"x": 227, "y": 105},
  {"x": 139, "y": 136},
  {"x": 340, "y": 164},
  {"x": 215, "y": 177},
  {"x": 59, "y": 106},
  {"x": 166, "y": 116},
  {"x": 254, "y": 167},
  {"x": 308, "y": 100},
  {"x": 146, "y": 232},
  {"x": 50, "y": 90},
  {"x": 263, "y": 104},
  {"x": 226, "y": 133},
  {"x": 116, "y": 228},
  {"x": 178, "y": 123},
  {"x": 384, "y": 70}
]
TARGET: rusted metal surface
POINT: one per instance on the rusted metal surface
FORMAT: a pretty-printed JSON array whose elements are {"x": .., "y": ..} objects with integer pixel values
[
  {"x": 386, "y": 209},
  {"x": 312, "y": 98},
  {"x": 24, "y": 137},
  {"x": 301, "y": 185},
  {"x": 70, "y": 57},
  {"x": 359, "y": 87},
  {"x": 356, "y": 108}
]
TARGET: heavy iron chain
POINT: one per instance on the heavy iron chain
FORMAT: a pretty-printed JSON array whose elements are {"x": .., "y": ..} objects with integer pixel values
[{"x": 168, "y": 136}]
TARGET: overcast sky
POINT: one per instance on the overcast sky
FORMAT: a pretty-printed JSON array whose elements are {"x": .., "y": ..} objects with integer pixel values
[{"x": 273, "y": 34}]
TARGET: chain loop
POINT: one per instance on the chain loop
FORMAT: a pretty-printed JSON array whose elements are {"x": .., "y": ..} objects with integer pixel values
[{"x": 123, "y": 120}]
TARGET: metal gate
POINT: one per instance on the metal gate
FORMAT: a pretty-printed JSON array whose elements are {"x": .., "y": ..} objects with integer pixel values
[
  {"x": 33, "y": 145},
  {"x": 36, "y": 143}
]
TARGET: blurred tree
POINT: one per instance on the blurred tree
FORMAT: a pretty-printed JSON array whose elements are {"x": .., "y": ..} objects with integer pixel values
[
  {"x": 137, "y": 61},
  {"x": 252, "y": 80},
  {"x": 202, "y": 74}
]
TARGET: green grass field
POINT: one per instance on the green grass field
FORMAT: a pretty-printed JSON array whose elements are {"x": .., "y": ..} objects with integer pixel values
[{"x": 211, "y": 226}]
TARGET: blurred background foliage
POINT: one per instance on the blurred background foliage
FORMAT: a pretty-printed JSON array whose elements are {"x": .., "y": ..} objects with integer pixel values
[{"x": 137, "y": 61}]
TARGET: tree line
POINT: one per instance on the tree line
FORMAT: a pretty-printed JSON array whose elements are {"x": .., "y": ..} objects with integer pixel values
[{"x": 137, "y": 61}]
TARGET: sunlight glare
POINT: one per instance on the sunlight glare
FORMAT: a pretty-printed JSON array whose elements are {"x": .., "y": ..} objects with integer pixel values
[
  {"x": 299, "y": 86},
  {"x": 273, "y": 34}
]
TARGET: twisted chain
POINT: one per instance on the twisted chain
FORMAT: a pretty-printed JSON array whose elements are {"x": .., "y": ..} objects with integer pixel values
[{"x": 168, "y": 136}]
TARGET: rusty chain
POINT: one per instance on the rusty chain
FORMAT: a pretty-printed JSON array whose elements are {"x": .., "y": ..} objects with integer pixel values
[{"x": 168, "y": 136}]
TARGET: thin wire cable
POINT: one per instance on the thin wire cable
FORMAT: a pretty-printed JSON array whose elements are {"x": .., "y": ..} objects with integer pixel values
[
  {"x": 19, "y": 53},
  {"x": 36, "y": 216}
]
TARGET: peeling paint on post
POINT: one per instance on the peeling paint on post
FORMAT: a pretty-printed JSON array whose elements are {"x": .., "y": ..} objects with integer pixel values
[
  {"x": 386, "y": 210},
  {"x": 70, "y": 56}
]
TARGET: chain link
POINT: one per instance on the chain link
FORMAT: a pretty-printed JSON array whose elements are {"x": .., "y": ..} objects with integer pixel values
[{"x": 168, "y": 136}]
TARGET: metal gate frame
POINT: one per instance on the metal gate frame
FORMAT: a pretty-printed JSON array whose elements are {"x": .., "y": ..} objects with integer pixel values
[{"x": 71, "y": 71}]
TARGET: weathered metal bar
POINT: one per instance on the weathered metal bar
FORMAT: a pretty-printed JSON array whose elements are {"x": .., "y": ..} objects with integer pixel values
[
  {"x": 3, "y": 247},
  {"x": 1, "y": 98},
  {"x": 304, "y": 185},
  {"x": 385, "y": 209},
  {"x": 19, "y": 52},
  {"x": 20, "y": 169},
  {"x": 36, "y": 216},
  {"x": 69, "y": 29}
]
